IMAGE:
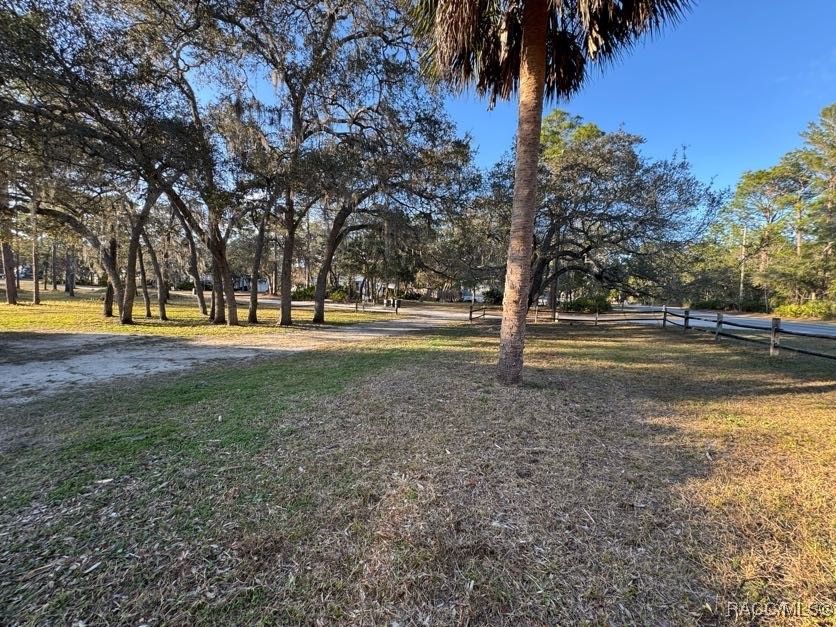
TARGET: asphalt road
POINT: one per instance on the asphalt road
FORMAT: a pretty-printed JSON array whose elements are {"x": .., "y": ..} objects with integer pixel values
[{"x": 818, "y": 328}]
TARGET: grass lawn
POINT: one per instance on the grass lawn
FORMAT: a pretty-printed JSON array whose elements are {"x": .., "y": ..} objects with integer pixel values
[
  {"x": 638, "y": 477},
  {"x": 83, "y": 313}
]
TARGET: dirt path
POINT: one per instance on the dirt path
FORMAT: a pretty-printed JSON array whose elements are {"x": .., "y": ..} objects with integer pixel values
[{"x": 35, "y": 365}]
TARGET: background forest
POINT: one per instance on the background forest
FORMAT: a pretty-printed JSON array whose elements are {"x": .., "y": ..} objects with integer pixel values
[{"x": 297, "y": 149}]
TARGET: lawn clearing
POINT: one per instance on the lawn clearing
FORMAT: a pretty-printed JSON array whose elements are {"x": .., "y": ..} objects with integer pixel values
[
  {"x": 83, "y": 314},
  {"x": 638, "y": 477}
]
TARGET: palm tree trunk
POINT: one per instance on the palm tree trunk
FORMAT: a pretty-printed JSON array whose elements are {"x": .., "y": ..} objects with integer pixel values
[{"x": 520, "y": 243}]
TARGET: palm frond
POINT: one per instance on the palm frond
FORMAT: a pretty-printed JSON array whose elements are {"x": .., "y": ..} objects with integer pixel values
[{"x": 479, "y": 42}]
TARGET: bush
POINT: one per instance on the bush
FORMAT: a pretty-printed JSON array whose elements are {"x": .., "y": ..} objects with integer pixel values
[
  {"x": 588, "y": 304},
  {"x": 714, "y": 303},
  {"x": 338, "y": 295},
  {"x": 751, "y": 305},
  {"x": 409, "y": 295},
  {"x": 184, "y": 285},
  {"x": 820, "y": 309},
  {"x": 492, "y": 297},
  {"x": 302, "y": 293}
]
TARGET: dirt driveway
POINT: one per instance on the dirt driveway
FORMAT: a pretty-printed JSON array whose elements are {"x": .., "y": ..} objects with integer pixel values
[{"x": 34, "y": 365}]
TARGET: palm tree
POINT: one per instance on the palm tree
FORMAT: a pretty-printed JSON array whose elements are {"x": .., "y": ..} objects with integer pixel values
[{"x": 536, "y": 48}]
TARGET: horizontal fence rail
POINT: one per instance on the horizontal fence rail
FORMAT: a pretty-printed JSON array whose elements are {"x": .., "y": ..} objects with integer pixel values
[
  {"x": 720, "y": 327},
  {"x": 775, "y": 330}
]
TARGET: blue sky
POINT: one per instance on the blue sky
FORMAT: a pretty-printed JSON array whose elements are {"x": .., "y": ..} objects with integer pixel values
[{"x": 735, "y": 84}]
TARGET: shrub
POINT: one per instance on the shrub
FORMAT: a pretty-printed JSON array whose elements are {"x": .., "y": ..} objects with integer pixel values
[
  {"x": 492, "y": 297},
  {"x": 338, "y": 295},
  {"x": 820, "y": 309},
  {"x": 588, "y": 304},
  {"x": 302, "y": 293},
  {"x": 714, "y": 303},
  {"x": 753, "y": 306},
  {"x": 184, "y": 285},
  {"x": 410, "y": 295}
]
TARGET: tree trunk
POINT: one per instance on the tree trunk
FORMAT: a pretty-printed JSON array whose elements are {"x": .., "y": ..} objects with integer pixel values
[
  {"x": 126, "y": 310},
  {"x": 36, "y": 285},
  {"x": 274, "y": 288},
  {"x": 143, "y": 279},
  {"x": 328, "y": 258},
  {"x": 5, "y": 238},
  {"x": 8, "y": 271},
  {"x": 193, "y": 272},
  {"x": 158, "y": 275},
  {"x": 69, "y": 272},
  {"x": 287, "y": 273},
  {"x": 520, "y": 243},
  {"x": 54, "y": 265},
  {"x": 46, "y": 273},
  {"x": 212, "y": 301},
  {"x": 108, "y": 299},
  {"x": 218, "y": 310},
  {"x": 217, "y": 247},
  {"x": 252, "y": 314}
]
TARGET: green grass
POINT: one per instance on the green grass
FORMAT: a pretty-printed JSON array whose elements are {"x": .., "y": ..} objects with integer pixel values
[{"x": 83, "y": 314}]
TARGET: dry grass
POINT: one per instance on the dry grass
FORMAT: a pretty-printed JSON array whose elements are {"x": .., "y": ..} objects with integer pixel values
[{"x": 638, "y": 477}]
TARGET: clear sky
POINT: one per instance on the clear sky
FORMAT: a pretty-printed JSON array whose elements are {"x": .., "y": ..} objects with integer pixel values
[{"x": 735, "y": 84}]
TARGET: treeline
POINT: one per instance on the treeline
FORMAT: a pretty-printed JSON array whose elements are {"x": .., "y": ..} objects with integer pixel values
[
  {"x": 771, "y": 248},
  {"x": 178, "y": 131},
  {"x": 297, "y": 148}
]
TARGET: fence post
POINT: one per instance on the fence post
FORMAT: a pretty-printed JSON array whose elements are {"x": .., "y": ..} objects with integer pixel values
[
  {"x": 774, "y": 342},
  {"x": 536, "y": 311},
  {"x": 356, "y": 306},
  {"x": 686, "y": 321},
  {"x": 470, "y": 315},
  {"x": 596, "y": 317},
  {"x": 719, "y": 327},
  {"x": 664, "y": 316},
  {"x": 397, "y": 303}
]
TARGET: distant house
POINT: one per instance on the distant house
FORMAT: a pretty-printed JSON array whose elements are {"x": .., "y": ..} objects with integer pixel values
[
  {"x": 242, "y": 284},
  {"x": 476, "y": 294},
  {"x": 239, "y": 283}
]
